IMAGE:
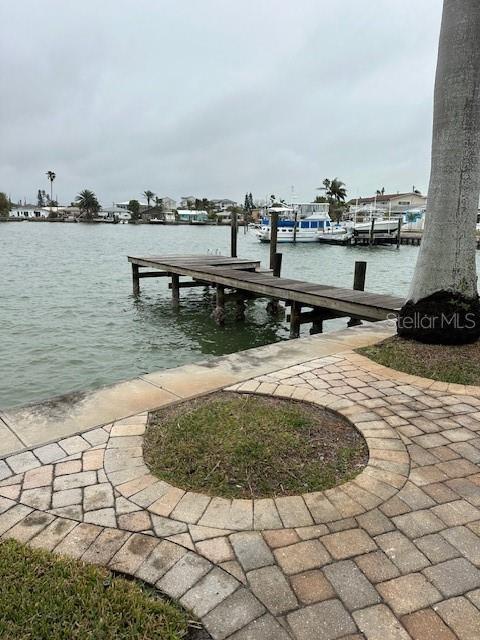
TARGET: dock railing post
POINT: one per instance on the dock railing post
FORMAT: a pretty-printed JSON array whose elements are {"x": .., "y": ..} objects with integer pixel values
[
  {"x": 233, "y": 235},
  {"x": 372, "y": 227},
  {"x": 358, "y": 285},
  {"x": 399, "y": 227},
  {"x": 135, "y": 280},
  {"x": 273, "y": 236}
]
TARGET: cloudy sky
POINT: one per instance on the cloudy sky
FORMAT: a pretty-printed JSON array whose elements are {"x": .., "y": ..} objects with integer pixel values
[{"x": 215, "y": 97}]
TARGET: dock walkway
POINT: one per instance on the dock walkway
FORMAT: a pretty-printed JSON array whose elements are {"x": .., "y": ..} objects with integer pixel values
[{"x": 246, "y": 280}]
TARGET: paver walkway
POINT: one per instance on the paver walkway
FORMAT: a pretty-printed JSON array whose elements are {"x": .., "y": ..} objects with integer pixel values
[{"x": 393, "y": 554}]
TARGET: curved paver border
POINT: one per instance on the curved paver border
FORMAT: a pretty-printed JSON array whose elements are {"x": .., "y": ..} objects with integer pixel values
[{"x": 384, "y": 475}]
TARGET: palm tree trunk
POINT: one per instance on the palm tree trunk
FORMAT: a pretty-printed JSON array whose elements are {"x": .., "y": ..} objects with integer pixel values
[{"x": 443, "y": 304}]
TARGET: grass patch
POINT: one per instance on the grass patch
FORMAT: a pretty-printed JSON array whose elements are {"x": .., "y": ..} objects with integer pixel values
[
  {"x": 240, "y": 446},
  {"x": 44, "y": 597},
  {"x": 458, "y": 363}
]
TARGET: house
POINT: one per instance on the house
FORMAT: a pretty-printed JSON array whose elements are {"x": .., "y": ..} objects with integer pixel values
[
  {"x": 124, "y": 205},
  {"x": 28, "y": 212},
  {"x": 223, "y": 204},
  {"x": 192, "y": 216},
  {"x": 224, "y": 217},
  {"x": 395, "y": 203},
  {"x": 110, "y": 213},
  {"x": 168, "y": 204},
  {"x": 187, "y": 202}
]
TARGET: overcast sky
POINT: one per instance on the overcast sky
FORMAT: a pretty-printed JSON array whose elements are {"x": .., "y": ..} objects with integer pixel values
[{"x": 215, "y": 97}]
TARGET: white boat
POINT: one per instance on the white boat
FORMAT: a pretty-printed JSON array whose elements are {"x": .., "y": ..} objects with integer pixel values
[
  {"x": 381, "y": 225},
  {"x": 303, "y": 222}
]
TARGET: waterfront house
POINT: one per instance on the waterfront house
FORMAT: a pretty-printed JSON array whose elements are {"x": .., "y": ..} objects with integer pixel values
[
  {"x": 395, "y": 203},
  {"x": 124, "y": 205},
  {"x": 223, "y": 204},
  {"x": 192, "y": 216},
  {"x": 168, "y": 204},
  {"x": 186, "y": 202},
  {"x": 28, "y": 212}
]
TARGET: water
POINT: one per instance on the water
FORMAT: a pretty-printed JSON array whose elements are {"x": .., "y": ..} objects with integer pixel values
[{"x": 68, "y": 320}]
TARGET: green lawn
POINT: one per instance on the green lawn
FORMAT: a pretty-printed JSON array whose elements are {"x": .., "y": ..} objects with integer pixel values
[
  {"x": 240, "y": 446},
  {"x": 459, "y": 363},
  {"x": 44, "y": 597}
]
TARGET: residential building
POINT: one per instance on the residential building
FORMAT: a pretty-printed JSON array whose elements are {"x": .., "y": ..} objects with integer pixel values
[
  {"x": 168, "y": 204},
  {"x": 395, "y": 203},
  {"x": 186, "y": 202},
  {"x": 192, "y": 216},
  {"x": 28, "y": 212},
  {"x": 124, "y": 205},
  {"x": 223, "y": 204}
]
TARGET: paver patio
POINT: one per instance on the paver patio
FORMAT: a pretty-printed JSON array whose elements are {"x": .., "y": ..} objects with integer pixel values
[{"x": 391, "y": 555}]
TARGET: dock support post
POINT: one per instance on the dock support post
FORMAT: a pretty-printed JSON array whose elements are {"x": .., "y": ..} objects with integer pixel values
[
  {"x": 175, "y": 289},
  {"x": 219, "y": 311},
  {"x": 295, "y": 312},
  {"x": 372, "y": 227},
  {"x": 239, "y": 307},
  {"x": 273, "y": 236},
  {"x": 233, "y": 235},
  {"x": 358, "y": 285},
  {"x": 317, "y": 325},
  {"x": 277, "y": 264},
  {"x": 399, "y": 231},
  {"x": 135, "y": 280}
]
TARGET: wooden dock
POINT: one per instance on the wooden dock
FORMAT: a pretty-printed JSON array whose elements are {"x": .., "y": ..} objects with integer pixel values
[{"x": 244, "y": 279}]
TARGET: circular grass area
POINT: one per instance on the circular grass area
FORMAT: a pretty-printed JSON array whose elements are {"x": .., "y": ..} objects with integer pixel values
[{"x": 245, "y": 446}]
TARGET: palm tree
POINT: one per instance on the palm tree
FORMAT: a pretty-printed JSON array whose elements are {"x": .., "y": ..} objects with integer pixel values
[
  {"x": 336, "y": 193},
  {"x": 51, "y": 176},
  {"x": 87, "y": 203},
  {"x": 443, "y": 304},
  {"x": 148, "y": 195}
]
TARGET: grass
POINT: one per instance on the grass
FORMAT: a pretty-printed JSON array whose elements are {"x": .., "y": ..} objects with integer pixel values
[
  {"x": 246, "y": 446},
  {"x": 44, "y": 597},
  {"x": 458, "y": 364}
]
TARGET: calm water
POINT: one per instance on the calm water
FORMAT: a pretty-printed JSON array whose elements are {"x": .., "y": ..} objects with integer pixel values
[{"x": 68, "y": 320}]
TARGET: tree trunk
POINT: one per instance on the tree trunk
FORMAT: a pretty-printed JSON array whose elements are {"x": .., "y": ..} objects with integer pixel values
[{"x": 443, "y": 304}]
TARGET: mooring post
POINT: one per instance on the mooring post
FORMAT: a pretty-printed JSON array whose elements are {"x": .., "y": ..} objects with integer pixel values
[
  {"x": 277, "y": 264},
  {"x": 135, "y": 280},
  {"x": 233, "y": 235},
  {"x": 219, "y": 311},
  {"x": 175, "y": 288},
  {"x": 399, "y": 227},
  {"x": 372, "y": 226},
  {"x": 273, "y": 236},
  {"x": 358, "y": 285},
  {"x": 295, "y": 314}
]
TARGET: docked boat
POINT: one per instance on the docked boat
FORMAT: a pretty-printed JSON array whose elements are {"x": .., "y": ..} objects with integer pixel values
[{"x": 303, "y": 222}]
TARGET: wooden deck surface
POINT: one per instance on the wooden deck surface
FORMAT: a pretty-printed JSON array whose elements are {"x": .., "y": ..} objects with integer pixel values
[{"x": 243, "y": 275}]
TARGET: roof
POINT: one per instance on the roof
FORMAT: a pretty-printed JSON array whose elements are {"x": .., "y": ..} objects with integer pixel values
[{"x": 387, "y": 196}]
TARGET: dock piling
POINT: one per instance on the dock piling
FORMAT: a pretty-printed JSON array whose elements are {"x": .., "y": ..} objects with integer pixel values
[
  {"x": 219, "y": 311},
  {"x": 175, "y": 288},
  {"x": 399, "y": 227},
  {"x": 273, "y": 236},
  {"x": 135, "y": 279},
  {"x": 233, "y": 235},
  {"x": 277, "y": 264},
  {"x": 358, "y": 285},
  {"x": 372, "y": 228},
  {"x": 295, "y": 319}
]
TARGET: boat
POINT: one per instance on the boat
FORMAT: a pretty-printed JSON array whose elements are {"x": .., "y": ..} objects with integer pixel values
[
  {"x": 156, "y": 221},
  {"x": 302, "y": 222}
]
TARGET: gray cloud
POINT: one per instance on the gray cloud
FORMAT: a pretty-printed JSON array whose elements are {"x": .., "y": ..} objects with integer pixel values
[{"x": 215, "y": 97}]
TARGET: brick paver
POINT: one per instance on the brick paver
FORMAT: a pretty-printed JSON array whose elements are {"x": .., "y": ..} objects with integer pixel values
[{"x": 393, "y": 554}]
